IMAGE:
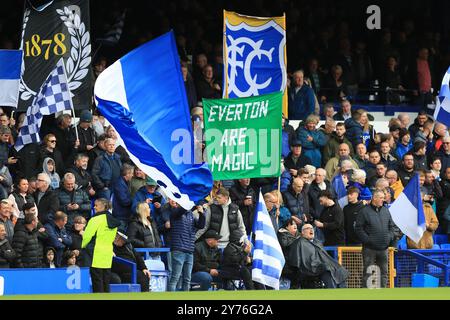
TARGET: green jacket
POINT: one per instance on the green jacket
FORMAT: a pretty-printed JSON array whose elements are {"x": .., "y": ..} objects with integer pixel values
[
  {"x": 331, "y": 148},
  {"x": 101, "y": 230}
]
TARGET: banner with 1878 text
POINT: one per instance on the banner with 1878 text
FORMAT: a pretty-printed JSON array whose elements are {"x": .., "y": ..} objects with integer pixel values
[{"x": 243, "y": 136}]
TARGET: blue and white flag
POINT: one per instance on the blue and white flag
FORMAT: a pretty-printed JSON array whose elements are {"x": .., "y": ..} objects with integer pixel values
[
  {"x": 268, "y": 258},
  {"x": 340, "y": 190},
  {"x": 10, "y": 66},
  {"x": 143, "y": 96},
  {"x": 442, "y": 111},
  {"x": 54, "y": 96},
  {"x": 407, "y": 211}
]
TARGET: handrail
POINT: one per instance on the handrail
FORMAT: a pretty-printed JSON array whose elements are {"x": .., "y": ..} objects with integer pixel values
[
  {"x": 148, "y": 251},
  {"x": 129, "y": 263}
]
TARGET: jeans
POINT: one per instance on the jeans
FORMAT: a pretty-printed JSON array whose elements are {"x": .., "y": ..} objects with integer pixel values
[
  {"x": 371, "y": 260},
  {"x": 104, "y": 193},
  {"x": 205, "y": 279},
  {"x": 182, "y": 263}
]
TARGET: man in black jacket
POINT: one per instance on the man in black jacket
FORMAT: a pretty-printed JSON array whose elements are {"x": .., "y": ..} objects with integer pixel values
[
  {"x": 26, "y": 244},
  {"x": 206, "y": 260},
  {"x": 331, "y": 220},
  {"x": 319, "y": 184},
  {"x": 351, "y": 211},
  {"x": 83, "y": 178},
  {"x": 7, "y": 253},
  {"x": 47, "y": 200},
  {"x": 375, "y": 229},
  {"x": 406, "y": 170},
  {"x": 296, "y": 159},
  {"x": 245, "y": 197},
  {"x": 125, "y": 250}
]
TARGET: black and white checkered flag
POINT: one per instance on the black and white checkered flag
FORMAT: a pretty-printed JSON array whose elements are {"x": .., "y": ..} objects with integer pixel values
[{"x": 54, "y": 96}]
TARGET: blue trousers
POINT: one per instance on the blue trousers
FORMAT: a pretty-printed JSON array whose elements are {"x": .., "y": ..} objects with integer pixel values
[{"x": 182, "y": 263}]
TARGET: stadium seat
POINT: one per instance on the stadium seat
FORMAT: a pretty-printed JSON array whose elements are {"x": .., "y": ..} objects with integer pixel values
[
  {"x": 402, "y": 244},
  {"x": 440, "y": 238},
  {"x": 445, "y": 246},
  {"x": 436, "y": 247}
]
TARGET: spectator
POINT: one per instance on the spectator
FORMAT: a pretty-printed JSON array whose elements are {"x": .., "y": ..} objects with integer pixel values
[
  {"x": 58, "y": 236},
  {"x": 19, "y": 197},
  {"x": 328, "y": 128},
  {"x": 226, "y": 219},
  {"x": 189, "y": 86},
  {"x": 288, "y": 136},
  {"x": 432, "y": 223},
  {"x": 296, "y": 159},
  {"x": 404, "y": 144},
  {"x": 122, "y": 200},
  {"x": 345, "y": 112},
  {"x": 48, "y": 167},
  {"x": 86, "y": 139},
  {"x": 331, "y": 220},
  {"x": 361, "y": 157},
  {"x": 25, "y": 162},
  {"x": 406, "y": 169},
  {"x": 143, "y": 231},
  {"x": 296, "y": 199},
  {"x": 333, "y": 165},
  {"x": 351, "y": 211},
  {"x": 26, "y": 244},
  {"x": 404, "y": 120},
  {"x": 394, "y": 183},
  {"x": 286, "y": 236},
  {"x": 183, "y": 226},
  {"x": 387, "y": 157},
  {"x": 69, "y": 259},
  {"x": 137, "y": 182},
  {"x": 371, "y": 166},
  {"x": 319, "y": 184},
  {"x": 418, "y": 124},
  {"x": 5, "y": 135},
  {"x": 152, "y": 197},
  {"x": 120, "y": 150},
  {"x": 236, "y": 261},
  {"x": 336, "y": 138},
  {"x": 436, "y": 167},
  {"x": 394, "y": 131},
  {"x": 421, "y": 78},
  {"x": 97, "y": 151},
  {"x": 391, "y": 79},
  {"x": 420, "y": 158},
  {"x": 73, "y": 202},
  {"x": 207, "y": 258},
  {"x": 444, "y": 202},
  {"x": 311, "y": 260},
  {"x": 301, "y": 98},
  {"x": 106, "y": 170},
  {"x": 359, "y": 130},
  {"x": 46, "y": 200},
  {"x": 245, "y": 197},
  {"x": 49, "y": 150},
  {"x": 61, "y": 134},
  {"x": 312, "y": 140},
  {"x": 83, "y": 178},
  {"x": 336, "y": 85},
  {"x": 5, "y": 219},
  {"x": 328, "y": 111},
  {"x": 207, "y": 86},
  {"x": 125, "y": 250},
  {"x": 444, "y": 152},
  {"x": 98, "y": 240},
  {"x": 316, "y": 77},
  {"x": 380, "y": 170},
  {"x": 375, "y": 229},
  {"x": 7, "y": 253},
  {"x": 49, "y": 260},
  {"x": 76, "y": 233},
  {"x": 358, "y": 180}
]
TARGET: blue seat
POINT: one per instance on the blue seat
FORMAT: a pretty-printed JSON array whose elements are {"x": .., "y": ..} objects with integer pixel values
[
  {"x": 445, "y": 246},
  {"x": 436, "y": 247},
  {"x": 401, "y": 245},
  {"x": 440, "y": 238}
]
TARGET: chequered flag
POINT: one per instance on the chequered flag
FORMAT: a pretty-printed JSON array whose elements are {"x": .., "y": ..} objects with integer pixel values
[{"x": 54, "y": 96}]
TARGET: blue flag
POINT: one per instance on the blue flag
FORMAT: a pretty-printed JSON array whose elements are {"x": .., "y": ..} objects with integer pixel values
[
  {"x": 10, "y": 67},
  {"x": 340, "y": 190},
  {"x": 142, "y": 95},
  {"x": 442, "y": 111},
  {"x": 268, "y": 258},
  {"x": 407, "y": 211}
]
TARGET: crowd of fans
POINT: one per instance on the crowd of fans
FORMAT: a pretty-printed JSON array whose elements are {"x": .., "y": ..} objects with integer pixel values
[{"x": 47, "y": 190}]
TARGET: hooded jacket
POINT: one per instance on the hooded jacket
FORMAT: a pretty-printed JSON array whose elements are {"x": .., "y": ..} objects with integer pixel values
[
  {"x": 101, "y": 230},
  {"x": 54, "y": 176}
]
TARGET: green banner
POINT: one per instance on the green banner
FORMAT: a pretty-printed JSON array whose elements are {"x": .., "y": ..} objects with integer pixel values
[{"x": 243, "y": 136}]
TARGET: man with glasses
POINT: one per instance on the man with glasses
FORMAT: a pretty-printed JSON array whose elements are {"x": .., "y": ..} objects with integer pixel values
[
  {"x": 406, "y": 170},
  {"x": 49, "y": 150},
  {"x": 46, "y": 199},
  {"x": 444, "y": 153}
]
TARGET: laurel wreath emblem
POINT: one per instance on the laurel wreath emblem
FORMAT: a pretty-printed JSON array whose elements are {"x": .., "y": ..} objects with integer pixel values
[{"x": 78, "y": 63}]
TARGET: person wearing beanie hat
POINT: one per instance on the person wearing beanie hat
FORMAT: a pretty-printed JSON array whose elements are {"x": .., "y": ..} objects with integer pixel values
[{"x": 86, "y": 139}]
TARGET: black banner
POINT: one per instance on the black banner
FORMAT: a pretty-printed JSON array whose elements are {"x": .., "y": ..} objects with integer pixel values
[{"x": 61, "y": 29}]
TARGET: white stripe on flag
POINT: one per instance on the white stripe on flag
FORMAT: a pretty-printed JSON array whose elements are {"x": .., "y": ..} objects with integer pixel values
[{"x": 9, "y": 93}]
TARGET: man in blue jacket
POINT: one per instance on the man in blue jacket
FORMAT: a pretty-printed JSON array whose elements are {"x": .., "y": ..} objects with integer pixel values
[
  {"x": 183, "y": 227},
  {"x": 154, "y": 199},
  {"x": 122, "y": 197},
  {"x": 58, "y": 236},
  {"x": 301, "y": 98}
]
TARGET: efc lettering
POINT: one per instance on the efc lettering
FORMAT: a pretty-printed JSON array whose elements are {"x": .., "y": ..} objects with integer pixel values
[{"x": 37, "y": 46}]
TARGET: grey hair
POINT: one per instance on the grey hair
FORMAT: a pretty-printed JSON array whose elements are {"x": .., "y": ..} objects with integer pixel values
[{"x": 45, "y": 177}]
